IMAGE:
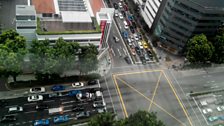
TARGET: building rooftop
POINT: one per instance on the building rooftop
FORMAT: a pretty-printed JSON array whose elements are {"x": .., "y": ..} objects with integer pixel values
[
  {"x": 96, "y": 5},
  {"x": 210, "y": 3},
  {"x": 71, "y": 16},
  {"x": 25, "y": 10},
  {"x": 44, "y": 6}
]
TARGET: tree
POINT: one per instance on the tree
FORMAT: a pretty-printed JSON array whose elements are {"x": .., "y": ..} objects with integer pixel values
[
  {"x": 218, "y": 43},
  {"x": 143, "y": 118},
  {"x": 88, "y": 59},
  {"x": 140, "y": 118},
  {"x": 199, "y": 49},
  {"x": 104, "y": 119},
  {"x": 13, "y": 40}
]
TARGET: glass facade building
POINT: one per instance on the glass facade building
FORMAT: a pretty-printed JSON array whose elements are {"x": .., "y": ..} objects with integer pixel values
[{"x": 181, "y": 19}]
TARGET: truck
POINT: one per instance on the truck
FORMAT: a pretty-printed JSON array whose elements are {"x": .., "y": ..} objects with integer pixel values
[{"x": 55, "y": 110}]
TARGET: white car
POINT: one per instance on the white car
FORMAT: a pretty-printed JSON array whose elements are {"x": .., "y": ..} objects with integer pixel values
[
  {"x": 136, "y": 37},
  {"x": 207, "y": 111},
  {"x": 97, "y": 104},
  {"x": 15, "y": 109},
  {"x": 34, "y": 98},
  {"x": 120, "y": 4},
  {"x": 220, "y": 108},
  {"x": 37, "y": 90},
  {"x": 121, "y": 16},
  {"x": 140, "y": 45},
  {"x": 78, "y": 84}
]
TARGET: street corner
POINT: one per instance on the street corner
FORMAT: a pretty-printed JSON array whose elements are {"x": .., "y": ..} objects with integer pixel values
[{"x": 147, "y": 90}]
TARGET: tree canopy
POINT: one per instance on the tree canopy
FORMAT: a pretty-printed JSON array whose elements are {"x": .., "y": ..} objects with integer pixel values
[
  {"x": 199, "y": 49},
  {"x": 12, "y": 52},
  {"x": 140, "y": 118},
  {"x": 218, "y": 43}
]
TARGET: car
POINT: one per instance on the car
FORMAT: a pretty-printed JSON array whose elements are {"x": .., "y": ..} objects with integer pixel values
[
  {"x": 101, "y": 110},
  {"x": 116, "y": 39},
  {"x": 34, "y": 98},
  {"x": 3, "y": 103},
  {"x": 128, "y": 61},
  {"x": 57, "y": 88},
  {"x": 74, "y": 92},
  {"x": 61, "y": 119},
  {"x": 78, "y": 108},
  {"x": 207, "y": 111},
  {"x": 15, "y": 109},
  {"x": 146, "y": 56},
  {"x": 136, "y": 37},
  {"x": 115, "y": 5},
  {"x": 140, "y": 36},
  {"x": 83, "y": 115},
  {"x": 213, "y": 118},
  {"x": 149, "y": 53},
  {"x": 121, "y": 16},
  {"x": 132, "y": 38},
  {"x": 142, "y": 58},
  {"x": 8, "y": 118},
  {"x": 137, "y": 49},
  {"x": 84, "y": 96},
  {"x": 37, "y": 90},
  {"x": 92, "y": 82},
  {"x": 220, "y": 108},
  {"x": 133, "y": 52},
  {"x": 97, "y": 104},
  {"x": 132, "y": 29},
  {"x": 77, "y": 84},
  {"x": 42, "y": 122},
  {"x": 221, "y": 117},
  {"x": 56, "y": 94},
  {"x": 125, "y": 7},
  {"x": 129, "y": 41},
  {"x": 41, "y": 106},
  {"x": 145, "y": 45},
  {"x": 120, "y": 5},
  {"x": 140, "y": 45}
]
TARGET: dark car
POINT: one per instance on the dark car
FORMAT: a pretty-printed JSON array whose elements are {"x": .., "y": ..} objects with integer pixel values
[
  {"x": 134, "y": 24},
  {"x": 3, "y": 103},
  {"x": 83, "y": 115},
  {"x": 123, "y": 12},
  {"x": 78, "y": 108},
  {"x": 142, "y": 58},
  {"x": 138, "y": 51},
  {"x": 115, "y": 5},
  {"x": 92, "y": 82},
  {"x": 41, "y": 107},
  {"x": 126, "y": 58},
  {"x": 132, "y": 29},
  {"x": 8, "y": 118},
  {"x": 58, "y": 88}
]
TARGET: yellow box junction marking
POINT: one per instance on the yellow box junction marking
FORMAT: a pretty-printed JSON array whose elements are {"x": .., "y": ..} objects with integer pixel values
[
  {"x": 155, "y": 90},
  {"x": 148, "y": 100}
]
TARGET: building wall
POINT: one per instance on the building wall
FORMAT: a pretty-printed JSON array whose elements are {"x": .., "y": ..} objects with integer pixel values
[{"x": 181, "y": 19}]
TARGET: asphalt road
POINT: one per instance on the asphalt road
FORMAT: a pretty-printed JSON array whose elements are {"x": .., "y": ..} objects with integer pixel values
[{"x": 30, "y": 114}]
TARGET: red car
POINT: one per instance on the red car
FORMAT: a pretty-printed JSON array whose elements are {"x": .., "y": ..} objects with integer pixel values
[{"x": 125, "y": 7}]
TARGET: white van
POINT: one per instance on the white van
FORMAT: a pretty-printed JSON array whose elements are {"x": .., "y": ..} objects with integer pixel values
[{"x": 125, "y": 25}]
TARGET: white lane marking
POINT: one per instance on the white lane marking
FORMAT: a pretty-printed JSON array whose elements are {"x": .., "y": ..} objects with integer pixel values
[
  {"x": 67, "y": 102},
  {"x": 109, "y": 94},
  {"x": 17, "y": 123},
  {"x": 119, "y": 52},
  {"x": 67, "y": 106},
  {"x": 30, "y": 112},
  {"x": 200, "y": 110},
  {"x": 124, "y": 51},
  {"x": 63, "y": 99},
  {"x": 23, "y": 122},
  {"x": 113, "y": 52},
  {"x": 67, "y": 110},
  {"x": 30, "y": 103},
  {"x": 49, "y": 101},
  {"x": 185, "y": 97}
]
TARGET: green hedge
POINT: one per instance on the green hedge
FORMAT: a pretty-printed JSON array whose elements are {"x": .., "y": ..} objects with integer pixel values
[{"x": 40, "y": 32}]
